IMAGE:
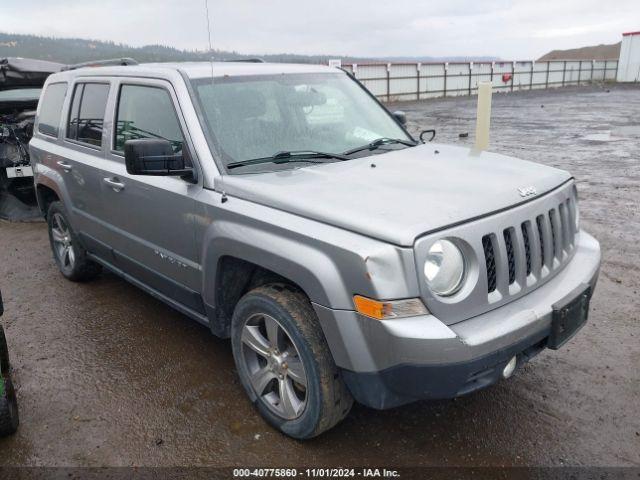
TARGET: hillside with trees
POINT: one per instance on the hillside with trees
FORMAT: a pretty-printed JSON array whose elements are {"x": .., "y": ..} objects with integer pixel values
[{"x": 76, "y": 50}]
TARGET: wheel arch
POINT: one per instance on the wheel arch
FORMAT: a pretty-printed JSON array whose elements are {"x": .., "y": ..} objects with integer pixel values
[
  {"x": 46, "y": 195},
  {"x": 47, "y": 189},
  {"x": 242, "y": 258}
]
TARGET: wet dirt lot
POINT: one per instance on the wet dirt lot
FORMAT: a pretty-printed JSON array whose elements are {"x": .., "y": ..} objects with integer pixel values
[{"x": 107, "y": 375}]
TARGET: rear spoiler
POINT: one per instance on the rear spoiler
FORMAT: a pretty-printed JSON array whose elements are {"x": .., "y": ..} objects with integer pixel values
[{"x": 245, "y": 60}]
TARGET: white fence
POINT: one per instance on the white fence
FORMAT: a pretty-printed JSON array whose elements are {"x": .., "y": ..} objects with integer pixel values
[{"x": 416, "y": 81}]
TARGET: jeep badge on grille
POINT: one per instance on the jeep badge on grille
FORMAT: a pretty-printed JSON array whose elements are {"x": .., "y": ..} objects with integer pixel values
[{"x": 527, "y": 191}]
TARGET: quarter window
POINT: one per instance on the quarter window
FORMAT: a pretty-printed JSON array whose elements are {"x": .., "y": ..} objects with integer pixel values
[
  {"x": 86, "y": 117},
  {"x": 146, "y": 112},
  {"x": 51, "y": 109}
]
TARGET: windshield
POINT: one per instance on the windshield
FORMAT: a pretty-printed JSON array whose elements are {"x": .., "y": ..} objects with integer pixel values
[
  {"x": 256, "y": 117},
  {"x": 20, "y": 94}
]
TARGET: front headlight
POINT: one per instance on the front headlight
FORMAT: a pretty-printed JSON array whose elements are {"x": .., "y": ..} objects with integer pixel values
[{"x": 444, "y": 268}]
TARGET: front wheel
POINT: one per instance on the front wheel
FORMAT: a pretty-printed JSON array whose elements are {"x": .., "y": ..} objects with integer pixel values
[{"x": 284, "y": 362}]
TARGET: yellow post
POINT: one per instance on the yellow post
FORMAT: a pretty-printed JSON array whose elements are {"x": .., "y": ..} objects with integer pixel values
[{"x": 483, "y": 121}]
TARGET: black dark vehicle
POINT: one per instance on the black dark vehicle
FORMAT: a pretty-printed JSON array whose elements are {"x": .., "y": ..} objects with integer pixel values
[
  {"x": 8, "y": 403},
  {"x": 21, "y": 80}
]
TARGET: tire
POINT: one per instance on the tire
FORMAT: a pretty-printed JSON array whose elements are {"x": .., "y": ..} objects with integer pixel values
[
  {"x": 4, "y": 353},
  {"x": 298, "y": 356},
  {"x": 9, "y": 418},
  {"x": 68, "y": 253}
]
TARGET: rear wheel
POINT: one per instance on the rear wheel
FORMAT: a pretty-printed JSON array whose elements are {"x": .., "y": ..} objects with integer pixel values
[
  {"x": 285, "y": 364},
  {"x": 69, "y": 255}
]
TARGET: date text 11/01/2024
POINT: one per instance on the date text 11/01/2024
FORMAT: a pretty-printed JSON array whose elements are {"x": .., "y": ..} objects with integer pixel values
[{"x": 316, "y": 472}]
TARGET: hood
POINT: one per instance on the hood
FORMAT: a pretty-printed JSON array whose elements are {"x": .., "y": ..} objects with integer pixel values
[
  {"x": 408, "y": 193},
  {"x": 25, "y": 72}
]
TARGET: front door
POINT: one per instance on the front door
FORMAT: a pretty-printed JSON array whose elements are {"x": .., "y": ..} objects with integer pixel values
[{"x": 151, "y": 218}]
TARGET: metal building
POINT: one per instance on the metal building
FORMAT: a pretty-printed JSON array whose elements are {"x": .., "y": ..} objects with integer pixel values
[{"x": 629, "y": 63}]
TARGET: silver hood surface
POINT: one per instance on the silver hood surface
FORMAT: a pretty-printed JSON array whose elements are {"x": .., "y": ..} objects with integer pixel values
[{"x": 408, "y": 193}]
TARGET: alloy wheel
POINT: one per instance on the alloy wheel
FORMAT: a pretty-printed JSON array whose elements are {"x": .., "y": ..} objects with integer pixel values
[
  {"x": 274, "y": 365},
  {"x": 62, "y": 244}
]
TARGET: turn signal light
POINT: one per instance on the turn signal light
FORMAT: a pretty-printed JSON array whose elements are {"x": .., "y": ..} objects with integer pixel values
[{"x": 386, "y": 310}]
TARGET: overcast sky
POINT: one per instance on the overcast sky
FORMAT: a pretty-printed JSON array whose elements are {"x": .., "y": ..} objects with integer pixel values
[{"x": 503, "y": 28}]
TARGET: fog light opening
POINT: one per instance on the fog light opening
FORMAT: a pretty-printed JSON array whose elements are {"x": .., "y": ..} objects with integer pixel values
[{"x": 510, "y": 368}]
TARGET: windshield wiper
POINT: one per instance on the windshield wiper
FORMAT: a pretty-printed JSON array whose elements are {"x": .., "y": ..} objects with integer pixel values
[
  {"x": 378, "y": 143},
  {"x": 308, "y": 156}
]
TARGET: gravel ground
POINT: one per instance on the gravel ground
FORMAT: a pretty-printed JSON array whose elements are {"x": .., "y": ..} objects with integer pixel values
[{"x": 106, "y": 375}]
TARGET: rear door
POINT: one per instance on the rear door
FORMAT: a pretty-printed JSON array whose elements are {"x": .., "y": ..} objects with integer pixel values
[
  {"x": 81, "y": 167},
  {"x": 151, "y": 218}
]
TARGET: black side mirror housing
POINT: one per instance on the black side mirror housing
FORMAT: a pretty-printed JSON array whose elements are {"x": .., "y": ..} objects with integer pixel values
[
  {"x": 430, "y": 132},
  {"x": 155, "y": 156},
  {"x": 400, "y": 116}
]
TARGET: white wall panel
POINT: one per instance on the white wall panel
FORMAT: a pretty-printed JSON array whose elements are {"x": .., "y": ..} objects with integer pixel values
[
  {"x": 413, "y": 81},
  {"x": 629, "y": 70}
]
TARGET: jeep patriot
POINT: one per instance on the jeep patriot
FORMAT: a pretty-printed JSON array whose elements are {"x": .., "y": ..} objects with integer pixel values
[{"x": 285, "y": 208}]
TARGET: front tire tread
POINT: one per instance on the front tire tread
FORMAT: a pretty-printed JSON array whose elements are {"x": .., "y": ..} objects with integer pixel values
[{"x": 335, "y": 399}]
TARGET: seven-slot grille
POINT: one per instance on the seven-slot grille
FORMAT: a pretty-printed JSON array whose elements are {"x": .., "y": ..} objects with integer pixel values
[{"x": 529, "y": 251}]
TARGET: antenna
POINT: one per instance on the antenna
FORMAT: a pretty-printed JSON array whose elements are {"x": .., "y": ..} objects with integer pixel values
[
  {"x": 206, "y": 7},
  {"x": 214, "y": 150}
]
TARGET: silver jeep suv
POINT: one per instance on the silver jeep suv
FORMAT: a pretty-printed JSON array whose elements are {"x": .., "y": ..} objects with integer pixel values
[{"x": 285, "y": 208}]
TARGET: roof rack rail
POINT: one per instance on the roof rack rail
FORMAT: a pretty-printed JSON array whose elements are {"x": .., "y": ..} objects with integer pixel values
[
  {"x": 246, "y": 60},
  {"x": 102, "y": 63}
]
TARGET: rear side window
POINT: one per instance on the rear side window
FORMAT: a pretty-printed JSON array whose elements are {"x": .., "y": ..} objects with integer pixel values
[
  {"x": 86, "y": 116},
  {"x": 51, "y": 109},
  {"x": 146, "y": 112}
]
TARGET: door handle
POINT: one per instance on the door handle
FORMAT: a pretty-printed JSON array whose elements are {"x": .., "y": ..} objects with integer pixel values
[
  {"x": 114, "y": 184},
  {"x": 65, "y": 166}
]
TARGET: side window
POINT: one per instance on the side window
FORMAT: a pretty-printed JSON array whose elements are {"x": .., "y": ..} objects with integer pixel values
[
  {"x": 86, "y": 116},
  {"x": 146, "y": 112},
  {"x": 51, "y": 109}
]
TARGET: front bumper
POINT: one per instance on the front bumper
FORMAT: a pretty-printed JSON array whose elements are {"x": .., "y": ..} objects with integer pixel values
[{"x": 389, "y": 363}]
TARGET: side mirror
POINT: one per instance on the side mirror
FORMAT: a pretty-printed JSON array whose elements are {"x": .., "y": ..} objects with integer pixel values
[
  {"x": 400, "y": 117},
  {"x": 430, "y": 132},
  {"x": 155, "y": 156}
]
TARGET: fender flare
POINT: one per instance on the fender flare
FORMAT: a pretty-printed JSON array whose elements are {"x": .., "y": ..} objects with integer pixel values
[
  {"x": 298, "y": 262},
  {"x": 44, "y": 178}
]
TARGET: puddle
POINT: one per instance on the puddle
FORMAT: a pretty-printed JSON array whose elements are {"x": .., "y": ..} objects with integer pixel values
[
  {"x": 627, "y": 131},
  {"x": 618, "y": 133},
  {"x": 600, "y": 137}
]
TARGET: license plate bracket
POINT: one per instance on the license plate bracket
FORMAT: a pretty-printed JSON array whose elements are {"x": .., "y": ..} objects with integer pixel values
[
  {"x": 19, "y": 172},
  {"x": 569, "y": 315}
]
